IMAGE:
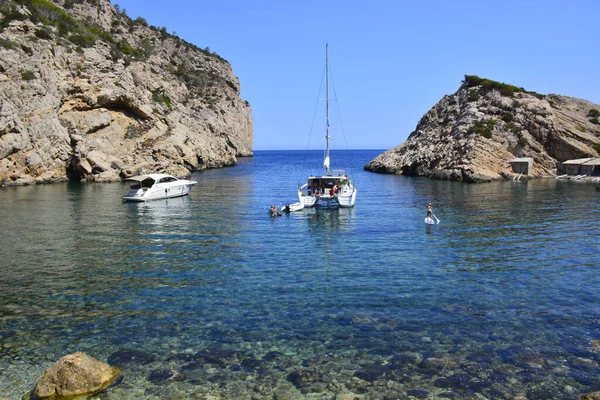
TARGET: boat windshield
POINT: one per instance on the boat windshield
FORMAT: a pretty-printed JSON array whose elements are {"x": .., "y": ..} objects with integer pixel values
[
  {"x": 167, "y": 179},
  {"x": 146, "y": 183}
]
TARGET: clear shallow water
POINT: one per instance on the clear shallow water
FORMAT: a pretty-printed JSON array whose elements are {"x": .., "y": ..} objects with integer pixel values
[{"x": 499, "y": 300}]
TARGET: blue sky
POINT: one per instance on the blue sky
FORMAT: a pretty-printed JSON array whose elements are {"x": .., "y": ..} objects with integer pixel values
[{"x": 391, "y": 61}]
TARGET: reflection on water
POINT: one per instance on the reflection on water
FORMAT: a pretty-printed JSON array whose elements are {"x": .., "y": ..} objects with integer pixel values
[
  {"x": 498, "y": 300},
  {"x": 328, "y": 220}
]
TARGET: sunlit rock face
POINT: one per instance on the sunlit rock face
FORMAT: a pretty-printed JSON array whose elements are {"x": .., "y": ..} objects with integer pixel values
[
  {"x": 86, "y": 93},
  {"x": 472, "y": 134}
]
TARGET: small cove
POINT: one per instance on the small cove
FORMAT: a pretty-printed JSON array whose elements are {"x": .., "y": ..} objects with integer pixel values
[{"x": 500, "y": 299}]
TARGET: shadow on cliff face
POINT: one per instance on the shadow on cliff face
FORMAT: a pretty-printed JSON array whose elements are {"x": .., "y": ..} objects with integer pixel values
[
  {"x": 75, "y": 171},
  {"x": 410, "y": 170}
]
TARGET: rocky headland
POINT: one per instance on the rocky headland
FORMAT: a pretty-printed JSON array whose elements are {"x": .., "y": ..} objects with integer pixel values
[
  {"x": 472, "y": 135},
  {"x": 87, "y": 93}
]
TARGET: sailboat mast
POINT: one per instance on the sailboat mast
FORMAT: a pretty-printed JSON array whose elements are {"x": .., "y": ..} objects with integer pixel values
[{"x": 327, "y": 109}]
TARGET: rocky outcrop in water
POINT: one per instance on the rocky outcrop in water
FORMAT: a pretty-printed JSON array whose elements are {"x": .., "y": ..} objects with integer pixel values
[
  {"x": 472, "y": 134},
  {"x": 88, "y": 93},
  {"x": 75, "y": 376}
]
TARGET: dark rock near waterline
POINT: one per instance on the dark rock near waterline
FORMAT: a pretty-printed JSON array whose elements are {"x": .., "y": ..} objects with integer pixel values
[
  {"x": 252, "y": 364},
  {"x": 273, "y": 355},
  {"x": 438, "y": 363},
  {"x": 304, "y": 377},
  {"x": 164, "y": 376},
  {"x": 449, "y": 395},
  {"x": 586, "y": 378},
  {"x": 382, "y": 351},
  {"x": 521, "y": 356},
  {"x": 532, "y": 375},
  {"x": 218, "y": 356},
  {"x": 548, "y": 391},
  {"x": 484, "y": 355},
  {"x": 194, "y": 365},
  {"x": 126, "y": 357},
  {"x": 404, "y": 359},
  {"x": 579, "y": 347},
  {"x": 418, "y": 393},
  {"x": 372, "y": 372},
  {"x": 462, "y": 382},
  {"x": 185, "y": 357},
  {"x": 497, "y": 377},
  {"x": 583, "y": 363}
]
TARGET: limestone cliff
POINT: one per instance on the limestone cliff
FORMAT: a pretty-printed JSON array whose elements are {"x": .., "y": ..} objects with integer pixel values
[
  {"x": 88, "y": 93},
  {"x": 472, "y": 134}
]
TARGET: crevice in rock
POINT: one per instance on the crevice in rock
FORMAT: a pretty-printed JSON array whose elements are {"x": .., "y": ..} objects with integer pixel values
[
  {"x": 122, "y": 104},
  {"x": 74, "y": 171},
  {"x": 234, "y": 147},
  {"x": 96, "y": 129}
]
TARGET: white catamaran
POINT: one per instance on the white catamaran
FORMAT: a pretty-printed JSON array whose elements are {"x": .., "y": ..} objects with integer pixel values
[{"x": 334, "y": 187}]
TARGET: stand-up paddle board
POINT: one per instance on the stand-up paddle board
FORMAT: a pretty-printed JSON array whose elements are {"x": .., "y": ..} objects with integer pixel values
[{"x": 429, "y": 221}]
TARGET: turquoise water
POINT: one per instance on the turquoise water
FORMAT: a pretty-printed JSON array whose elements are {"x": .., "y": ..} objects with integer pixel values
[{"x": 208, "y": 295}]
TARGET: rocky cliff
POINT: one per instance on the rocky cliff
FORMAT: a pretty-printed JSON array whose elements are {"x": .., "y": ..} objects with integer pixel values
[
  {"x": 88, "y": 93},
  {"x": 472, "y": 134}
]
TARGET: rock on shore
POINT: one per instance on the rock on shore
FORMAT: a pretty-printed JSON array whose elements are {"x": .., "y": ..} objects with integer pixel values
[
  {"x": 472, "y": 134},
  {"x": 75, "y": 375},
  {"x": 87, "y": 93}
]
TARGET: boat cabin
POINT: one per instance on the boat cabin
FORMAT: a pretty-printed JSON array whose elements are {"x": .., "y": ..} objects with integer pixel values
[
  {"x": 327, "y": 185},
  {"x": 147, "y": 181}
]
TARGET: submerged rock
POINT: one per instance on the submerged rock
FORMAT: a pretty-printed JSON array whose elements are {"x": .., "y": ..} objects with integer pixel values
[
  {"x": 304, "y": 377},
  {"x": 589, "y": 396},
  {"x": 372, "y": 373},
  {"x": 273, "y": 356},
  {"x": 218, "y": 356},
  {"x": 126, "y": 357},
  {"x": 523, "y": 357},
  {"x": 75, "y": 375},
  {"x": 164, "y": 376}
]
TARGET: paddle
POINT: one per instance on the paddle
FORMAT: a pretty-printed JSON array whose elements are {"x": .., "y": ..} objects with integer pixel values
[{"x": 436, "y": 218}]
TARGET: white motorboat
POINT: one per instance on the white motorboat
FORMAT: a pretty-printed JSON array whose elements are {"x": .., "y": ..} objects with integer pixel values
[
  {"x": 334, "y": 187},
  {"x": 157, "y": 186}
]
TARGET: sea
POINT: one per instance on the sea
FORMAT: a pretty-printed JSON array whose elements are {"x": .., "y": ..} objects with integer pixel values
[{"x": 209, "y": 297}]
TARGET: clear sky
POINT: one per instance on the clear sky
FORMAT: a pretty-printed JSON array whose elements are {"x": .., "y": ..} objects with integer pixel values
[{"x": 391, "y": 61}]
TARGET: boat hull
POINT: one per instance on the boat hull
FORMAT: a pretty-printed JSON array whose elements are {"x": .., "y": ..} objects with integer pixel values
[
  {"x": 293, "y": 207},
  {"x": 159, "y": 192},
  {"x": 345, "y": 198}
]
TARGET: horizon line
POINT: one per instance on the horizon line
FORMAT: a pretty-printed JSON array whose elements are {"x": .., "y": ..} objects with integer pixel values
[{"x": 319, "y": 149}]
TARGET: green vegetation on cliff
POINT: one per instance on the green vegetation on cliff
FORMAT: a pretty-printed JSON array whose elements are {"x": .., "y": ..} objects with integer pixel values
[
  {"x": 487, "y": 85},
  {"x": 86, "y": 33},
  {"x": 129, "y": 40},
  {"x": 483, "y": 127},
  {"x": 593, "y": 115},
  {"x": 49, "y": 14}
]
